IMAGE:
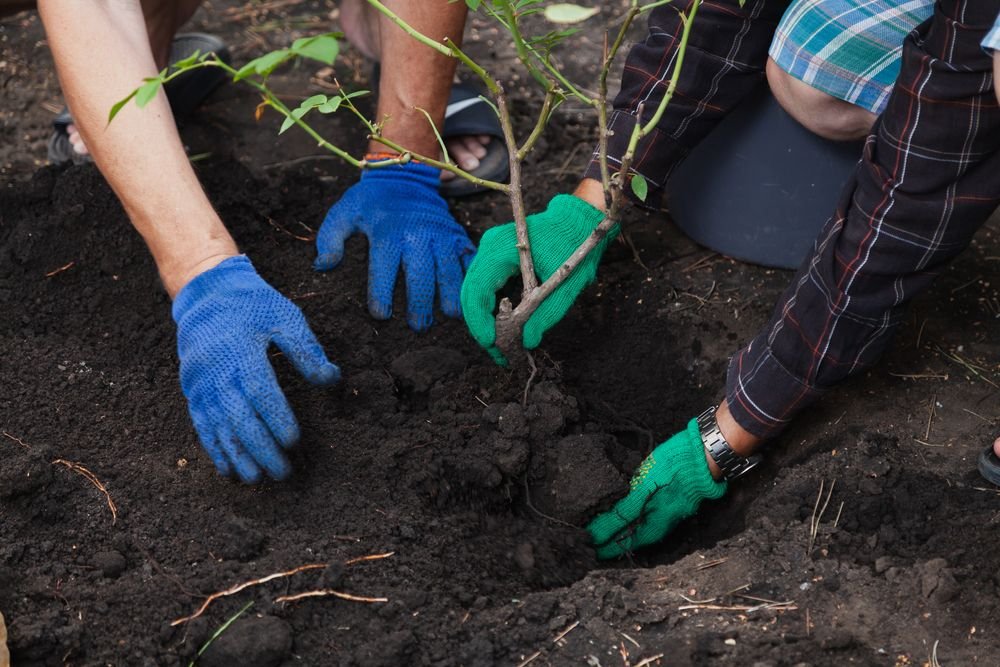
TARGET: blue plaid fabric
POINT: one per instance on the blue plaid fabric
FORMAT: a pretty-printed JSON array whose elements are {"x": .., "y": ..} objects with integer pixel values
[
  {"x": 992, "y": 40},
  {"x": 847, "y": 48}
]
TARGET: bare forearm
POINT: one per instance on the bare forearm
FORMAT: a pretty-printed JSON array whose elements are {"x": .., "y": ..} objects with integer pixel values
[
  {"x": 102, "y": 53},
  {"x": 413, "y": 75},
  {"x": 996, "y": 74}
]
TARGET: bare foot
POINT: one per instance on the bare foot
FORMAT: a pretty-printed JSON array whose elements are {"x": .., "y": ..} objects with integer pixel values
[
  {"x": 76, "y": 140},
  {"x": 466, "y": 152},
  {"x": 996, "y": 447}
]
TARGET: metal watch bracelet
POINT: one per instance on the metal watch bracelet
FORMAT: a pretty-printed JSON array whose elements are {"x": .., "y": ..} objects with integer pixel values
[{"x": 730, "y": 463}]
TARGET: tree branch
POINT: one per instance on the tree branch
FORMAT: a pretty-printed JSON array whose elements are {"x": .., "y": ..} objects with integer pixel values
[{"x": 528, "y": 278}]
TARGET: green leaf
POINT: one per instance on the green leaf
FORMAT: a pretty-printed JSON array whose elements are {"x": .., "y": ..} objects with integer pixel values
[
  {"x": 357, "y": 93},
  {"x": 187, "y": 62},
  {"x": 331, "y": 105},
  {"x": 473, "y": 5},
  {"x": 264, "y": 65},
  {"x": 640, "y": 187},
  {"x": 147, "y": 91},
  {"x": 313, "y": 101},
  {"x": 563, "y": 12},
  {"x": 119, "y": 104},
  {"x": 323, "y": 48},
  {"x": 742, "y": 2},
  {"x": 296, "y": 115}
]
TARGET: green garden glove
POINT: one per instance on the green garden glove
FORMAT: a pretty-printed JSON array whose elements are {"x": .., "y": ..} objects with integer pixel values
[
  {"x": 554, "y": 234},
  {"x": 667, "y": 487}
]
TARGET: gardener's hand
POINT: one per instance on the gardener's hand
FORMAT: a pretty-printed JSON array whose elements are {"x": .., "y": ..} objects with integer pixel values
[
  {"x": 554, "y": 234},
  {"x": 667, "y": 487},
  {"x": 405, "y": 219},
  {"x": 227, "y": 317}
]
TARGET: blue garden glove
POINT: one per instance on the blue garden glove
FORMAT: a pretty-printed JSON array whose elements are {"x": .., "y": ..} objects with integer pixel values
[
  {"x": 405, "y": 219},
  {"x": 227, "y": 318},
  {"x": 668, "y": 486}
]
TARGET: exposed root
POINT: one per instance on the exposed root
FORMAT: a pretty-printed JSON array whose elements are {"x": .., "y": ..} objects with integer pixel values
[
  {"x": 326, "y": 592},
  {"x": 239, "y": 587},
  {"x": 288, "y": 598},
  {"x": 92, "y": 478}
]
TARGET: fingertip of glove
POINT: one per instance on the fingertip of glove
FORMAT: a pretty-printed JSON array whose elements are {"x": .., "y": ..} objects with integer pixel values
[
  {"x": 452, "y": 309},
  {"x": 531, "y": 338},
  {"x": 498, "y": 357},
  {"x": 326, "y": 261},
  {"x": 326, "y": 374},
  {"x": 222, "y": 467},
  {"x": 379, "y": 310},
  {"x": 609, "y": 551},
  {"x": 279, "y": 469},
  {"x": 419, "y": 322},
  {"x": 249, "y": 475}
]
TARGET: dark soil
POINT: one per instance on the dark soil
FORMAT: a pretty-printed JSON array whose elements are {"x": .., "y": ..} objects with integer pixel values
[{"x": 430, "y": 452}]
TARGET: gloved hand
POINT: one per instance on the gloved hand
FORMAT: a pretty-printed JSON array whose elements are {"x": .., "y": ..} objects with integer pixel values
[
  {"x": 227, "y": 317},
  {"x": 405, "y": 219},
  {"x": 667, "y": 487},
  {"x": 554, "y": 234}
]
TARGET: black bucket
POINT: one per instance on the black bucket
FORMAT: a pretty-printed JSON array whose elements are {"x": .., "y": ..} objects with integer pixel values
[{"x": 760, "y": 187}]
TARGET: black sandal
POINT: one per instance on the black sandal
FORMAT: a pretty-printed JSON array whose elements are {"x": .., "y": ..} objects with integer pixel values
[
  {"x": 185, "y": 93},
  {"x": 469, "y": 115},
  {"x": 989, "y": 466}
]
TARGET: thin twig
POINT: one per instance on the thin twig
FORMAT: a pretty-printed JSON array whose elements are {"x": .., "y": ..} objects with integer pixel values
[
  {"x": 650, "y": 660},
  {"x": 281, "y": 228},
  {"x": 92, "y": 478},
  {"x": 920, "y": 376},
  {"x": 701, "y": 262},
  {"x": 15, "y": 439},
  {"x": 572, "y": 626},
  {"x": 817, "y": 518},
  {"x": 543, "y": 120},
  {"x": 365, "y": 559},
  {"x": 967, "y": 365},
  {"x": 974, "y": 414},
  {"x": 529, "y": 280},
  {"x": 930, "y": 417},
  {"x": 712, "y": 563},
  {"x": 64, "y": 267},
  {"x": 529, "y": 659}
]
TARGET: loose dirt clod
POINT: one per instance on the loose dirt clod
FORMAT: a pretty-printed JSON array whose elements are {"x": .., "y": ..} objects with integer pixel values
[{"x": 250, "y": 642}]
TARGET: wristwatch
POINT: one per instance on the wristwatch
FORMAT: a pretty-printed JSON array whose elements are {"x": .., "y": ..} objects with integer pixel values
[{"x": 732, "y": 464}]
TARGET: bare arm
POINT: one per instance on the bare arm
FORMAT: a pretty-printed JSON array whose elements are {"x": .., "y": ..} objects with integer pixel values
[
  {"x": 415, "y": 76},
  {"x": 101, "y": 51},
  {"x": 996, "y": 79}
]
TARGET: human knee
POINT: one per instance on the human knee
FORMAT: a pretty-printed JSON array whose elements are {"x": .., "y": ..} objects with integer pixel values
[{"x": 820, "y": 113}]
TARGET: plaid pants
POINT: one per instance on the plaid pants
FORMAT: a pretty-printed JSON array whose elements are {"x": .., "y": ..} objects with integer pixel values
[{"x": 928, "y": 178}]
